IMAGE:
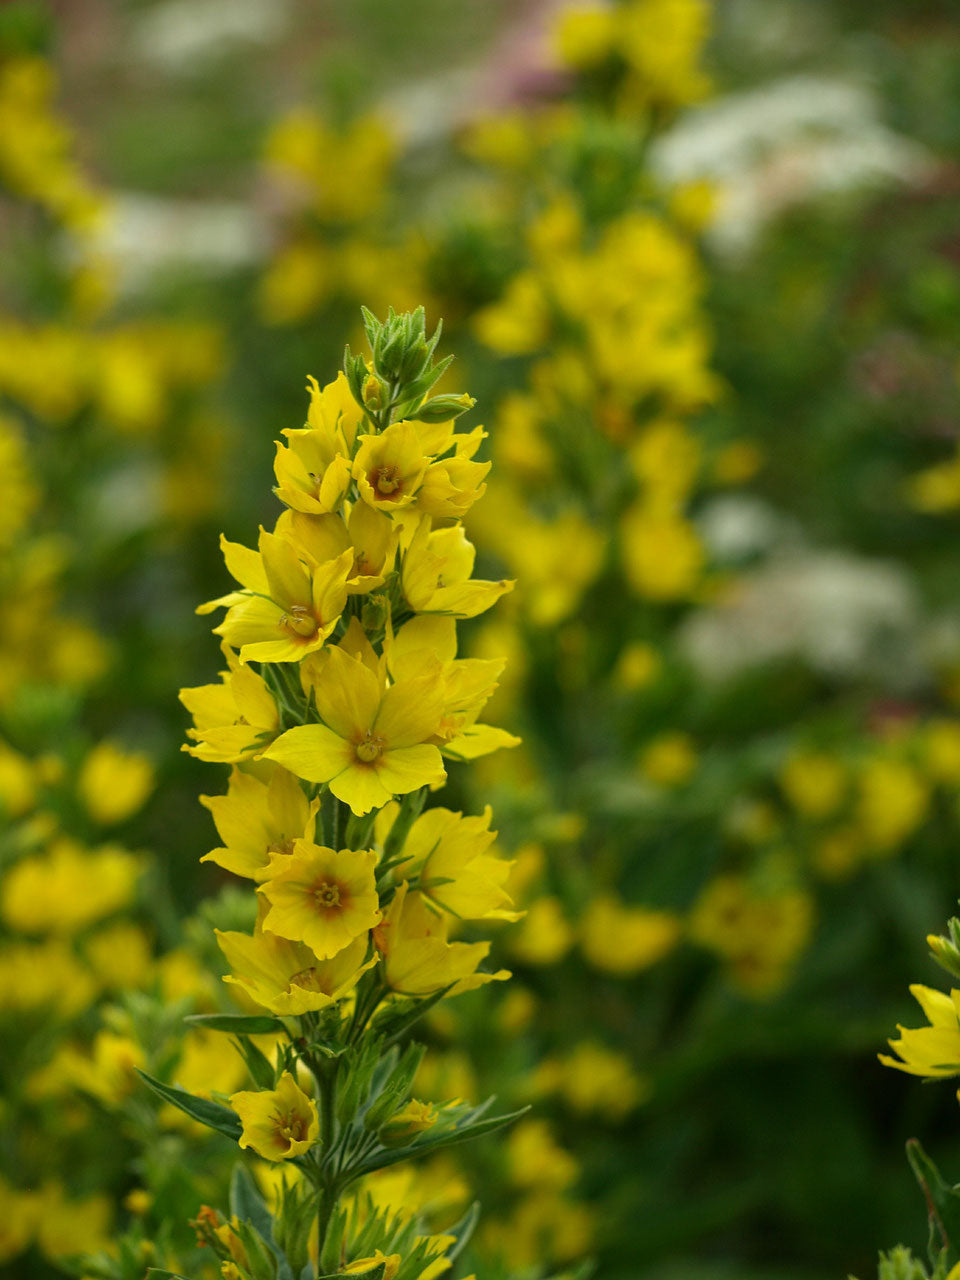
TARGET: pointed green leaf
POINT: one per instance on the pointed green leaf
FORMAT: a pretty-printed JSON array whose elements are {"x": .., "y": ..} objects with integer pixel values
[
  {"x": 238, "y": 1024},
  {"x": 463, "y": 1229},
  {"x": 247, "y": 1203},
  {"x": 212, "y": 1114},
  {"x": 430, "y": 1142}
]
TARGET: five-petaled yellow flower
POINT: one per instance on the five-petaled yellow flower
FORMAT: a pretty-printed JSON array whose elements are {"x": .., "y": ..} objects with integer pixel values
[
  {"x": 259, "y": 821},
  {"x": 277, "y": 1123},
  {"x": 321, "y": 897},
  {"x": 372, "y": 744},
  {"x": 389, "y": 467},
  {"x": 287, "y": 608},
  {"x": 286, "y": 977}
]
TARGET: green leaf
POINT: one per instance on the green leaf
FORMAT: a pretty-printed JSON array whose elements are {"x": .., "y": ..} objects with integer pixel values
[
  {"x": 429, "y": 1142},
  {"x": 212, "y": 1114},
  {"x": 463, "y": 1229},
  {"x": 238, "y": 1024},
  {"x": 943, "y": 1202},
  {"x": 247, "y": 1203},
  {"x": 258, "y": 1064},
  {"x": 374, "y": 1273},
  {"x": 396, "y": 1020}
]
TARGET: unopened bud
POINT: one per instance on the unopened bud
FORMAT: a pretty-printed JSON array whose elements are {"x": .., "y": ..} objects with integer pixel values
[
  {"x": 373, "y": 392},
  {"x": 443, "y": 408}
]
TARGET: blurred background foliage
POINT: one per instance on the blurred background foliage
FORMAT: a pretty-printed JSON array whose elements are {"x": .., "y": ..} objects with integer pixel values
[{"x": 702, "y": 272}]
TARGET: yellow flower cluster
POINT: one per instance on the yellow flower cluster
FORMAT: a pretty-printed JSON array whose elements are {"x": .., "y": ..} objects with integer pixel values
[
  {"x": 36, "y": 160},
  {"x": 657, "y": 43},
  {"x": 342, "y": 704},
  {"x": 332, "y": 186}
]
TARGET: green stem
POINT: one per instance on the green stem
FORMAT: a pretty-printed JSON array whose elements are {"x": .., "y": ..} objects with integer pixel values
[
  {"x": 410, "y": 808},
  {"x": 335, "y": 824},
  {"x": 328, "y": 1202},
  {"x": 326, "y": 1076}
]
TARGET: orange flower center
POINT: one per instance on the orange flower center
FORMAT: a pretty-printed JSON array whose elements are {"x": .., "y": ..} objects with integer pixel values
[
  {"x": 291, "y": 1127},
  {"x": 299, "y": 621},
  {"x": 281, "y": 845},
  {"x": 370, "y": 747},
  {"x": 307, "y": 978},
  {"x": 327, "y": 894},
  {"x": 386, "y": 480}
]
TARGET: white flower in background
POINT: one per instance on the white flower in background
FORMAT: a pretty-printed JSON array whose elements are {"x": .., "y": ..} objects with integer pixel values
[
  {"x": 782, "y": 143},
  {"x": 183, "y": 36},
  {"x": 845, "y": 615},
  {"x": 737, "y": 527}
]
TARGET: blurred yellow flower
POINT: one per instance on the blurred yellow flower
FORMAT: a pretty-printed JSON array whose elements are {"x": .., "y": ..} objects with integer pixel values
[
  {"x": 814, "y": 783},
  {"x": 620, "y": 939},
  {"x": 114, "y": 783},
  {"x": 893, "y": 800},
  {"x": 67, "y": 887},
  {"x": 670, "y": 759}
]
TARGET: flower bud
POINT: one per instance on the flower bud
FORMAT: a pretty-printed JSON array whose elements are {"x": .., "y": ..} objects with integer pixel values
[{"x": 416, "y": 1117}]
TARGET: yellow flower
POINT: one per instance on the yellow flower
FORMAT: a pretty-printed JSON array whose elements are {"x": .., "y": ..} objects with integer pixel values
[
  {"x": 277, "y": 1123},
  {"x": 67, "y": 887},
  {"x": 120, "y": 955},
  {"x": 313, "y": 472},
  {"x": 114, "y": 783},
  {"x": 418, "y": 960},
  {"x": 106, "y": 1072},
  {"x": 536, "y": 1159},
  {"x": 259, "y": 822},
  {"x": 67, "y": 1227},
  {"x": 814, "y": 783},
  {"x": 18, "y": 1211},
  {"x": 435, "y": 574},
  {"x": 322, "y": 898},
  {"x": 43, "y": 975},
  {"x": 233, "y": 719},
  {"x": 206, "y": 1066},
  {"x": 669, "y": 759},
  {"x": 545, "y": 935},
  {"x": 662, "y": 41},
  {"x": 937, "y": 489},
  {"x": 893, "y": 801},
  {"x": 389, "y": 467},
  {"x": 427, "y": 646},
  {"x": 584, "y": 36},
  {"x": 933, "y": 1050},
  {"x": 363, "y": 1266},
  {"x": 288, "y": 608},
  {"x": 404, "y": 1125},
  {"x": 451, "y": 487},
  {"x": 622, "y": 940},
  {"x": 760, "y": 930},
  {"x": 287, "y": 977},
  {"x": 662, "y": 556},
  {"x": 638, "y": 666},
  {"x": 941, "y": 744},
  {"x": 369, "y": 535},
  {"x": 18, "y": 785},
  {"x": 593, "y": 1079},
  {"x": 449, "y": 853},
  {"x": 372, "y": 743}
]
